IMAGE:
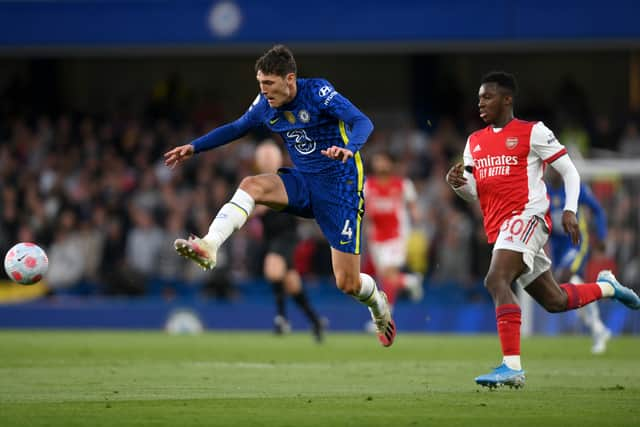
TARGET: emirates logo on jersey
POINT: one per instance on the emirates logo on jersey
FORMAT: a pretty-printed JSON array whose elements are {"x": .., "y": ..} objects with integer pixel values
[
  {"x": 490, "y": 166},
  {"x": 511, "y": 142}
]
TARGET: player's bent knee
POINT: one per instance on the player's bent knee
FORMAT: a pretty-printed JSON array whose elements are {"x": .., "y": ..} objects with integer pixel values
[{"x": 255, "y": 185}]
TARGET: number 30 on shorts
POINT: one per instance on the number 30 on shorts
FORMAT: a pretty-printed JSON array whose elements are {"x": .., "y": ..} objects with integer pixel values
[
  {"x": 513, "y": 225},
  {"x": 520, "y": 227}
]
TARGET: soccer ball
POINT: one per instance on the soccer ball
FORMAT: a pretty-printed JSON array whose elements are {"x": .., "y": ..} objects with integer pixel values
[
  {"x": 26, "y": 263},
  {"x": 184, "y": 322}
]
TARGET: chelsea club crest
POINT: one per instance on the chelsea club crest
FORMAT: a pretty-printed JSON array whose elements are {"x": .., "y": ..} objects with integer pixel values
[{"x": 304, "y": 117}]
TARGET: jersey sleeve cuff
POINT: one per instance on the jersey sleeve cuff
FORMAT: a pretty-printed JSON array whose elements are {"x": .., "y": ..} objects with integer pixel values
[{"x": 556, "y": 156}]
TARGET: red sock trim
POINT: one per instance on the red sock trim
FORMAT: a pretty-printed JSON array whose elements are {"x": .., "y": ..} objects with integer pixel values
[
  {"x": 581, "y": 295},
  {"x": 391, "y": 288},
  {"x": 508, "y": 320}
]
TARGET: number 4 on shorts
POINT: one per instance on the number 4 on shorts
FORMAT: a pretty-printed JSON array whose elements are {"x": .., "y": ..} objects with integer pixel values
[{"x": 346, "y": 230}]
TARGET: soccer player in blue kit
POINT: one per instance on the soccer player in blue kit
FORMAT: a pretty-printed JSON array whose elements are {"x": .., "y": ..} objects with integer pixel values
[
  {"x": 323, "y": 132},
  {"x": 569, "y": 259}
]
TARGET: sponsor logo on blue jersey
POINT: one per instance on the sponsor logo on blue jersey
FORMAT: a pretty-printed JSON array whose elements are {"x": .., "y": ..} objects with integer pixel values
[{"x": 303, "y": 144}]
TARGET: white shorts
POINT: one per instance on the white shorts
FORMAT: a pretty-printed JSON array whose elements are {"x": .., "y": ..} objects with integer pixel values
[
  {"x": 390, "y": 253},
  {"x": 526, "y": 235}
]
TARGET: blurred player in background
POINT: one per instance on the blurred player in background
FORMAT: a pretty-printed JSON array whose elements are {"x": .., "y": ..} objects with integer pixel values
[
  {"x": 570, "y": 259},
  {"x": 323, "y": 132},
  {"x": 503, "y": 168},
  {"x": 391, "y": 208},
  {"x": 280, "y": 238}
]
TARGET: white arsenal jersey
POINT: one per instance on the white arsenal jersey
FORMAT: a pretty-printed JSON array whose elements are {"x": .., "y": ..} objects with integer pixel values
[{"x": 508, "y": 165}]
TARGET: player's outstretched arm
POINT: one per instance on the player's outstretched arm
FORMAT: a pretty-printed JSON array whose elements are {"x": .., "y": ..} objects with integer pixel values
[
  {"x": 338, "y": 153},
  {"x": 217, "y": 137},
  {"x": 177, "y": 155}
]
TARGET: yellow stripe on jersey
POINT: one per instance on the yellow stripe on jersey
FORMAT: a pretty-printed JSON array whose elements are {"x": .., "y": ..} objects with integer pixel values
[
  {"x": 584, "y": 245},
  {"x": 360, "y": 170},
  {"x": 343, "y": 132}
]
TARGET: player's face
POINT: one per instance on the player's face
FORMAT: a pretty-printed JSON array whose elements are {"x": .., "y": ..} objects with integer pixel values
[
  {"x": 277, "y": 89},
  {"x": 381, "y": 164},
  {"x": 492, "y": 102}
]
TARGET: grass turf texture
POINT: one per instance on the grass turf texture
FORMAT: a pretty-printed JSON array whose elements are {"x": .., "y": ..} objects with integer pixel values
[{"x": 256, "y": 379}]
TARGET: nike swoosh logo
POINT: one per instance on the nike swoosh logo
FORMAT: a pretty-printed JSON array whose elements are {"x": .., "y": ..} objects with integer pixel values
[
  {"x": 345, "y": 242},
  {"x": 273, "y": 122}
]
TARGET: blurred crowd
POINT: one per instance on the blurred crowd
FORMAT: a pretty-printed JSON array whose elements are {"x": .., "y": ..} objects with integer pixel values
[{"x": 95, "y": 193}]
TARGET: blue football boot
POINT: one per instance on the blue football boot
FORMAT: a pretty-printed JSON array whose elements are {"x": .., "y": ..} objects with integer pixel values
[
  {"x": 502, "y": 375},
  {"x": 623, "y": 294}
]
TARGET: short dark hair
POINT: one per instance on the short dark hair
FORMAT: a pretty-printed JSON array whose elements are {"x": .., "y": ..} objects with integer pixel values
[
  {"x": 278, "y": 60},
  {"x": 504, "y": 80}
]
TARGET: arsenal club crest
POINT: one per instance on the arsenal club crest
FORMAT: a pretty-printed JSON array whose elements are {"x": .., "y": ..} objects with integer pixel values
[{"x": 511, "y": 142}]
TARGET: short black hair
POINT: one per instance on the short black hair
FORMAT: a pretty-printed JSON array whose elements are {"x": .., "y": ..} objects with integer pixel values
[
  {"x": 503, "y": 79},
  {"x": 278, "y": 60}
]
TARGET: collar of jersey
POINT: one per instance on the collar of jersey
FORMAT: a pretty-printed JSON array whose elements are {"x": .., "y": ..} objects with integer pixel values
[{"x": 497, "y": 129}]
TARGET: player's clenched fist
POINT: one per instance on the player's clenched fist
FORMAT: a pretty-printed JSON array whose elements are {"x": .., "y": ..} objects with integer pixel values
[
  {"x": 177, "y": 155},
  {"x": 455, "y": 176},
  {"x": 338, "y": 153}
]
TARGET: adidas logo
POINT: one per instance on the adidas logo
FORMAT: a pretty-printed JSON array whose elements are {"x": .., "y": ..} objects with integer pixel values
[
  {"x": 475, "y": 150},
  {"x": 509, "y": 239}
]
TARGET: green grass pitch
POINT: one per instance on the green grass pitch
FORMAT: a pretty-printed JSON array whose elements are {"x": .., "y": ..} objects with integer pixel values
[{"x": 96, "y": 378}]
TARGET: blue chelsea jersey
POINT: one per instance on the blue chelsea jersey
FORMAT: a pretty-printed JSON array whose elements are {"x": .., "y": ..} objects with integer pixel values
[
  {"x": 586, "y": 198},
  {"x": 317, "y": 118}
]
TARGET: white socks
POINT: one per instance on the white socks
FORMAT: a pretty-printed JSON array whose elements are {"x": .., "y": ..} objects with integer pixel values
[
  {"x": 512, "y": 362},
  {"x": 607, "y": 289},
  {"x": 370, "y": 296},
  {"x": 230, "y": 217}
]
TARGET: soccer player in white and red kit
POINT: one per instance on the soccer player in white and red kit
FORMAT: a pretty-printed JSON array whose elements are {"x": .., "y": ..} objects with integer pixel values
[
  {"x": 503, "y": 168},
  {"x": 391, "y": 206}
]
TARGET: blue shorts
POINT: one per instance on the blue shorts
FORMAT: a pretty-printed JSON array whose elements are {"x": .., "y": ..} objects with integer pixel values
[
  {"x": 570, "y": 257},
  {"x": 337, "y": 204}
]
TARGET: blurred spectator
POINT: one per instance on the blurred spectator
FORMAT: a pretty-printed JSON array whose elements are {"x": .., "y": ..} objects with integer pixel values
[
  {"x": 66, "y": 254},
  {"x": 575, "y": 137},
  {"x": 144, "y": 243},
  {"x": 604, "y": 141},
  {"x": 630, "y": 143}
]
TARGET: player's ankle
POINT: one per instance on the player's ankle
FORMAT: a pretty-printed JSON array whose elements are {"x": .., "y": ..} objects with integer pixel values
[
  {"x": 512, "y": 362},
  {"x": 212, "y": 239},
  {"x": 607, "y": 289}
]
